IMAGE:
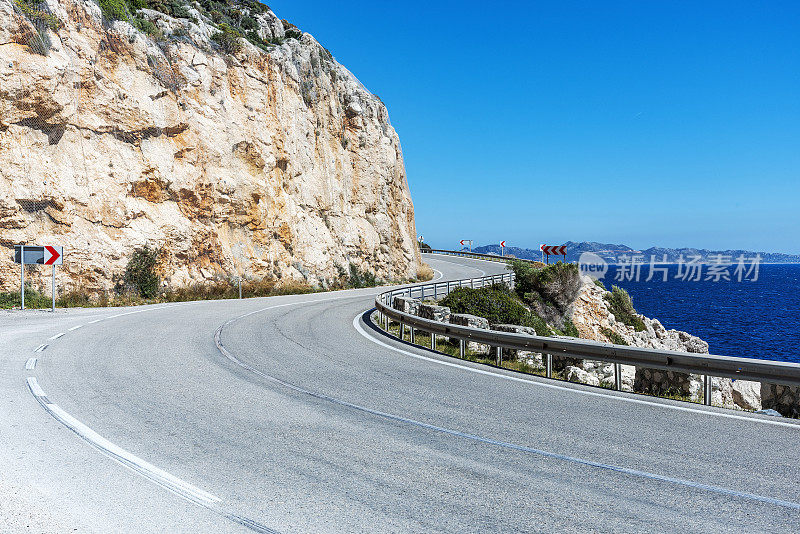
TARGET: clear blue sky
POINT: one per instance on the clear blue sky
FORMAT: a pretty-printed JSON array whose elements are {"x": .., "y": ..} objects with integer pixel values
[{"x": 644, "y": 123}]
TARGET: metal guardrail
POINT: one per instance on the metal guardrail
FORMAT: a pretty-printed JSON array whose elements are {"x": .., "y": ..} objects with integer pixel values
[{"x": 703, "y": 364}]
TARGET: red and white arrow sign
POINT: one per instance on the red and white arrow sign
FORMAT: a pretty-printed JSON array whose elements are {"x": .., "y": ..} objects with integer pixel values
[
  {"x": 53, "y": 255},
  {"x": 462, "y": 242},
  {"x": 503, "y": 244},
  {"x": 554, "y": 250}
]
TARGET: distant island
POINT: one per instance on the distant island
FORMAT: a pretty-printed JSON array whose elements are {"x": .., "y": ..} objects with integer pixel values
[{"x": 611, "y": 252}]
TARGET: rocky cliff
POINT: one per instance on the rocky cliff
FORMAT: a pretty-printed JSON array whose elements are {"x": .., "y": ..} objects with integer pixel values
[
  {"x": 591, "y": 314},
  {"x": 261, "y": 156}
]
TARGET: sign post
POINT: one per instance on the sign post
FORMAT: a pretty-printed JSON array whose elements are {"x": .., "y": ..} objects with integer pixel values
[
  {"x": 22, "y": 276},
  {"x": 464, "y": 243},
  {"x": 38, "y": 255},
  {"x": 502, "y": 248},
  {"x": 553, "y": 250}
]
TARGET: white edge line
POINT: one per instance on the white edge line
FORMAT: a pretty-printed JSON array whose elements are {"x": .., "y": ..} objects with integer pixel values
[
  {"x": 121, "y": 455},
  {"x": 30, "y": 365},
  {"x": 35, "y": 388},
  {"x": 57, "y": 336},
  {"x": 576, "y": 390}
]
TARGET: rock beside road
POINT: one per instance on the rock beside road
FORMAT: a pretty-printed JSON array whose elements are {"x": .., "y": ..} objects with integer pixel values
[{"x": 268, "y": 163}]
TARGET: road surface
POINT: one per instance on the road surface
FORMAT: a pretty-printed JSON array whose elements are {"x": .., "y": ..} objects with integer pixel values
[{"x": 292, "y": 414}]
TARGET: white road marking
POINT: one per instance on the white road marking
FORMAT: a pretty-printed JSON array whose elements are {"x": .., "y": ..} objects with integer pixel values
[
  {"x": 33, "y": 384},
  {"x": 41, "y": 347},
  {"x": 74, "y": 328},
  {"x": 439, "y": 277},
  {"x": 581, "y": 461},
  {"x": 57, "y": 336},
  {"x": 129, "y": 460},
  {"x": 577, "y": 390}
]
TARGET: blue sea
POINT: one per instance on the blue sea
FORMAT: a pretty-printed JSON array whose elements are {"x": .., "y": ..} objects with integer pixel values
[{"x": 750, "y": 319}]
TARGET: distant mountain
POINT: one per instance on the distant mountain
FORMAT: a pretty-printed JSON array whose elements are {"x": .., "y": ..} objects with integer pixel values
[{"x": 612, "y": 252}]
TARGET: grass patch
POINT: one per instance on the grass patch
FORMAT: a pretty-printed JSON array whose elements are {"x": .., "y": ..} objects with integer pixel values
[{"x": 33, "y": 299}]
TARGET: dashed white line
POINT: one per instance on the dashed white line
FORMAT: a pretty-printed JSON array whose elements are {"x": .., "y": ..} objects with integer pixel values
[
  {"x": 57, "y": 336},
  {"x": 41, "y": 347},
  {"x": 74, "y": 328},
  {"x": 95, "y": 321},
  {"x": 30, "y": 365}
]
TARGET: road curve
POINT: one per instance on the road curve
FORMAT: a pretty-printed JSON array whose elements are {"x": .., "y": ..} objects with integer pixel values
[{"x": 292, "y": 414}]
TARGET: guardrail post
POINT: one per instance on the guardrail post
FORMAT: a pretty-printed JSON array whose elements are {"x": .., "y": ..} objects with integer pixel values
[
  {"x": 435, "y": 291},
  {"x": 422, "y": 292},
  {"x": 499, "y": 356},
  {"x": 707, "y": 390},
  {"x": 411, "y": 336},
  {"x": 618, "y": 376},
  {"x": 402, "y": 330},
  {"x": 461, "y": 348},
  {"x": 549, "y": 369}
]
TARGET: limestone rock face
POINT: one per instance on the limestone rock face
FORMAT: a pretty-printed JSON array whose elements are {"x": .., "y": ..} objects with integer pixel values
[
  {"x": 263, "y": 163},
  {"x": 594, "y": 320}
]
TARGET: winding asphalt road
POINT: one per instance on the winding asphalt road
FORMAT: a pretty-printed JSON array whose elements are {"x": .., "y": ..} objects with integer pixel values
[{"x": 292, "y": 414}]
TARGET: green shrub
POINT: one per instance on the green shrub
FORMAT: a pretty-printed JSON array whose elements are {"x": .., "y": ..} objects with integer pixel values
[
  {"x": 114, "y": 9},
  {"x": 140, "y": 273},
  {"x": 499, "y": 306},
  {"x": 549, "y": 290},
  {"x": 621, "y": 305},
  {"x": 424, "y": 247},
  {"x": 293, "y": 34},
  {"x": 570, "y": 329},
  {"x": 256, "y": 39},
  {"x": 145, "y": 26},
  {"x": 612, "y": 336},
  {"x": 248, "y": 23},
  {"x": 600, "y": 284},
  {"x": 33, "y": 299},
  {"x": 360, "y": 278},
  {"x": 74, "y": 299},
  {"x": 38, "y": 13},
  {"x": 228, "y": 39}
]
